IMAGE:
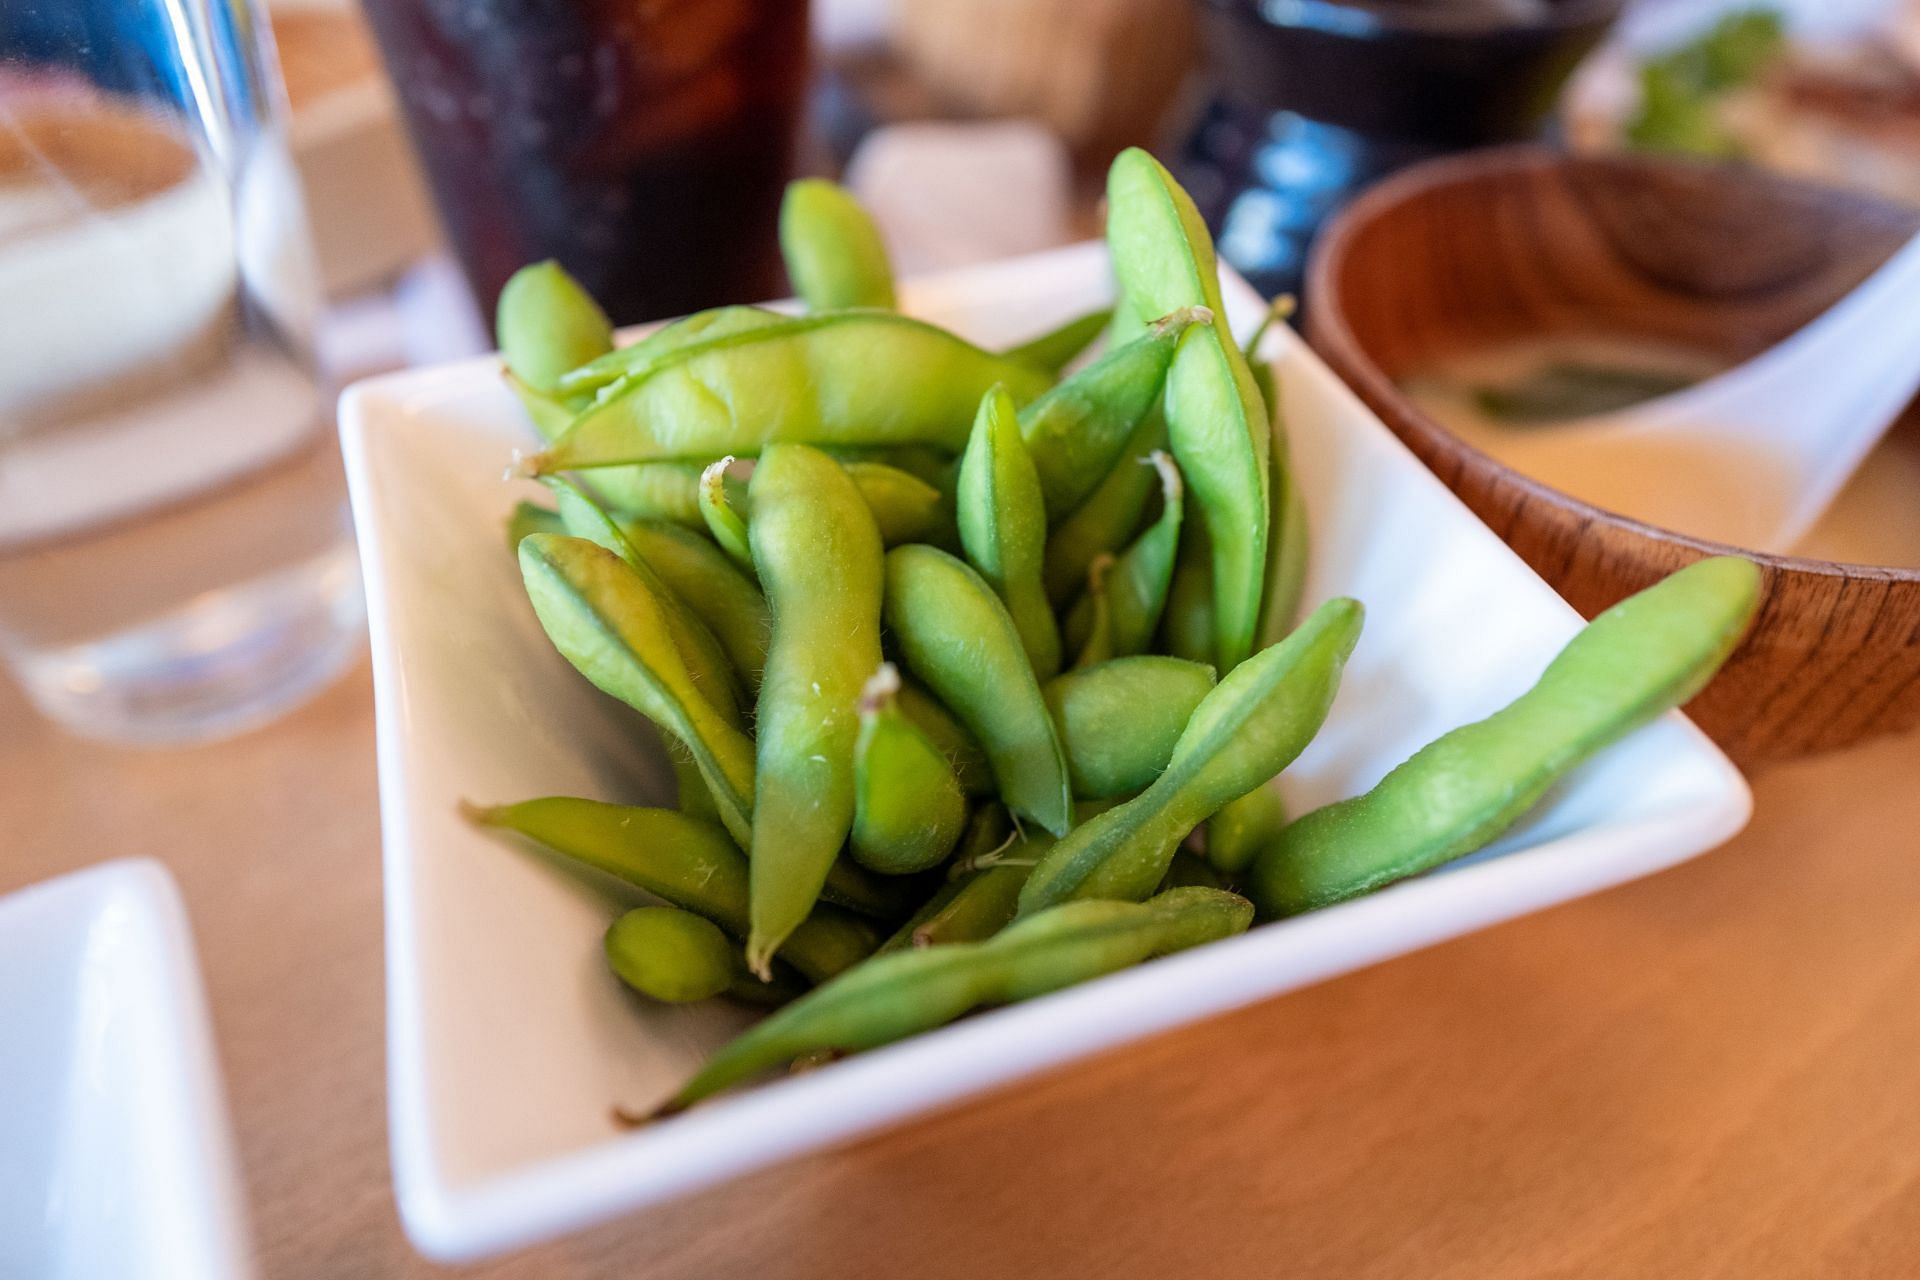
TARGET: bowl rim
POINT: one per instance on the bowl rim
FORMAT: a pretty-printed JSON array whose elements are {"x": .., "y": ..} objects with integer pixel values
[{"x": 1329, "y": 332}]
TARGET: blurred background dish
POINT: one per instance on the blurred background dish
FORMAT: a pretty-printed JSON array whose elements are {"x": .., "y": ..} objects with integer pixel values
[{"x": 1459, "y": 270}]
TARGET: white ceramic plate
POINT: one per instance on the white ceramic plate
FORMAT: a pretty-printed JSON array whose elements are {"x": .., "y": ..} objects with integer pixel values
[
  {"x": 115, "y": 1156},
  {"x": 508, "y": 1040}
]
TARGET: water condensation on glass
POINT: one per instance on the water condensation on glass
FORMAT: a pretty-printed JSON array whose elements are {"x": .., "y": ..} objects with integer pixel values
[{"x": 173, "y": 558}]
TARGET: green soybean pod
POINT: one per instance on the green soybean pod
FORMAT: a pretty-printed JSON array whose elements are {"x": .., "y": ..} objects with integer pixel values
[
  {"x": 1138, "y": 582},
  {"x": 1076, "y": 431},
  {"x": 547, "y": 324},
  {"x": 706, "y": 659},
  {"x": 988, "y": 829},
  {"x": 1055, "y": 349},
  {"x": 712, "y": 587},
  {"x": 962, "y": 752},
  {"x": 1119, "y": 720},
  {"x": 1109, "y": 518},
  {"x": 1646, "y": 655},
  {"x": 690, "y": 792},
  {"x": 650, "y": 491},
  {"x": 1287, "y": 532},
  {"x": 603, "y": 619},
  {"x": 1217, "y": 423},
  {"x": 591, "y": 380},
  {"x": 724, "y": 521},
  {"x": 819, "y": 558},
  {"x": 957, "y": 638},
  {"x": 677, "y": 957},
  {"x": 691, "y": 864},
  {"x": 1186, "y": 626},
  {"x": 852, "y": 378},
  {"x": 1253, "y": 724},
  {"x": 1186, "y": 871},
  {"x": 1095, "y": 642},
  {"x": 905, "y": 507},
  {"x": 835, "y": 257},
  {"x": 1243, "y": 827},
  {"x": 1003, "y": 526},
  {"x": 529, "y": 517},
  {"x": 898, "y": 995},
  {"x": 908, "y": 810}
]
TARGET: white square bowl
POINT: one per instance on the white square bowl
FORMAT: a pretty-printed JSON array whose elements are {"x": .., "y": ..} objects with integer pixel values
[
  {"x": 115, "y": 1155},
  {"x": 507, "y": 1038}
]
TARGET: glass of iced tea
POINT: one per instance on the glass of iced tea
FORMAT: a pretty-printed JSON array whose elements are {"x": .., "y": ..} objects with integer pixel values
[
  {"x": 642, "y": 143},
  {"x": 174, "y": 557}
]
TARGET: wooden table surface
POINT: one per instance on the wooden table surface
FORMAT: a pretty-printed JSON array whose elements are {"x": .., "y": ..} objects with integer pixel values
[{"x": 1715, "y": 1072}]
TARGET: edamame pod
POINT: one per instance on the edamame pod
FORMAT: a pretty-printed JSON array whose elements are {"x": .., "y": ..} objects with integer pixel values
[
  {"x": 818, "y": 554},
  {"x": 1110, "y": 516},
  {"x": 1186, "y": 626},
  {"x": 1003, "y": 526},
  {"x": 529, "y": 518},
  {"x": 547, "y": 324},
  {"x": 712, "y": 588},
  {"x": 1216, "y": 422},
  {"x": 603, "y": 619},
  {"x": 898, "y": 995},
  {"x": 1076, "y": 431},
  {"x": 591, "y": 380},
  {"x": 706, "y": 660},
  {"x": 1137, "y": 583},
  {"x": 908, "y": 810},
  {"x": 835, "y": 257},
  {"x": 905, "y": 507},
  {"x": 962, "y": 752},
  {"x": 988, "y": 829},
  {"x": 1646, "y": 655},
  {"x": 1248, "y": 729},
  {"x": 957, "y": 638},
  {"x": 1055, "y": 349},
  {"x": 727, "y": 525},
  {"x": 689, "y": 863},
  {"x": 1096, "y": 639},
  {"x": 1243, "y": 827},
  {"x": 650, "y": 491},
  {"x": 678, "y": 957},
  {"x": 1119, "y": 720},
  {"x": 847, "y": 379}
]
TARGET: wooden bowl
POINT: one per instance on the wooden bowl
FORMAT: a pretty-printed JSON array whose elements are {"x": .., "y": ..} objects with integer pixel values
[{"x": 1487, "y": 247}]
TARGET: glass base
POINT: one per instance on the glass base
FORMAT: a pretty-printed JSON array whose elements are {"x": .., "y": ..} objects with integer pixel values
[{"x": 229, "y": 661}]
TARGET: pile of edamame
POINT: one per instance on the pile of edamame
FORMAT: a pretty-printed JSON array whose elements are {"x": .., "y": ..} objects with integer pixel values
[{"x": 975, "y": 676}]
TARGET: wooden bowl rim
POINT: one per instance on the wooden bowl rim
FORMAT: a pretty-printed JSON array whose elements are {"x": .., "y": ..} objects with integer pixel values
[{"x": 1328, "y": 329}]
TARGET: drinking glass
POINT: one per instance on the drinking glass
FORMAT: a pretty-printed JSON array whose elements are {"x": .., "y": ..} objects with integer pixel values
[
  {"x": 175, "y": 557},
  {"x": 642, "y": 143}
]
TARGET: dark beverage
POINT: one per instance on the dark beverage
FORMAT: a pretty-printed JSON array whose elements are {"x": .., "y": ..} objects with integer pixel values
[
  {"x": 643, "y": 143},
  {"x": 1316, "y": 98}
]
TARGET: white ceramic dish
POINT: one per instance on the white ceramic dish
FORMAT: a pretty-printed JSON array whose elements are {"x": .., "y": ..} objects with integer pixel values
[
  {"x": 115, "y": 1155},
  {"x": 508, "y": 1040}
]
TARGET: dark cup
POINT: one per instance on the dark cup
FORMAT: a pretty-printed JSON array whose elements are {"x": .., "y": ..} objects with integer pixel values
[
  {"x": 1314, "y": 99},
  {"x": 642, "y": 143}
]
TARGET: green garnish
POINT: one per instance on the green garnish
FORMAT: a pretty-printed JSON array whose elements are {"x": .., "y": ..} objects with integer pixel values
[{"x": 1680, "y": 89}]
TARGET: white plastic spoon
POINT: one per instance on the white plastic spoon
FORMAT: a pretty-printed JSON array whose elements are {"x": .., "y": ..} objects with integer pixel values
[{"x": 1752, "y": 456}]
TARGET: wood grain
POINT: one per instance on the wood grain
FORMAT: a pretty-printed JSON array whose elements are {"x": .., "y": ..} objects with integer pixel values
[
  {"x": 1473, "y": 250},
  {"x": 1710, "y": 1073}
]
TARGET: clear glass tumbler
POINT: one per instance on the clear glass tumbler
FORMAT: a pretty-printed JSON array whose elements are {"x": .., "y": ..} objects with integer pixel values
[{"x": 175, "y": 557}]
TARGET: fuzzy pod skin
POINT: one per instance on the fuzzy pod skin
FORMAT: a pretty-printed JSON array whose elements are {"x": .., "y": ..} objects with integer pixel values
[
  {"x": 1076, "y": 431},
  {"x": 1248, "y": 729},
  {"x": 547, "y": 325},
  {"x": 1649, "y": 653},
  {"x": 1003, "y": 526},
  {"x": 1217, "y": 422},
  {"x": 819, "y": 559},
  {"x": 1109, "y": 518},
  {"x": 1139, "y": 581},
  {"x": 834, "y": 254},
  {"x": 691, "y": 864},
  {"x": 1243, "y": 827},
  {"x": 956, "y": 638},
  {"x": 908, "y": 809},
  {"x": 900, "y": 994},
  {"x": 851, "y": 379},
  {"x": 615, "y": 630},
  {"x": 712, "y": 587},
  {"x": 1119, "y": 720}
]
